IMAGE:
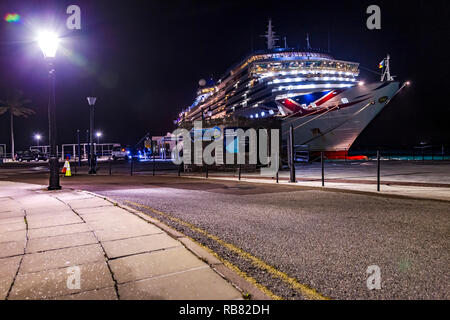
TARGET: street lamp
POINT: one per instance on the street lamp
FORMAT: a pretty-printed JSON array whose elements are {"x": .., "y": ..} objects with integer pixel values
[
  {"x": 91, "y": 102},
  {"x": 48, "y": 42},
  {"x": 38, "y": 138}
]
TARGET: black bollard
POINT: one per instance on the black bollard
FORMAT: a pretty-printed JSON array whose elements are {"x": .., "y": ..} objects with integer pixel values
[
  {"x": 291, "y": 154},
  {"x": 206, "y": 169},
  {"x": 277, "y": 177},
  {"x": 79, "y": 148},
  {"x": 239, "y": 173},
  {"x": 378, "y": 170},
  {"x": 131, "y": 166},
  {"x": 153, "y": 164},
  {"x": 179, "y": 170},
  {"x": 323, "y": 169}
]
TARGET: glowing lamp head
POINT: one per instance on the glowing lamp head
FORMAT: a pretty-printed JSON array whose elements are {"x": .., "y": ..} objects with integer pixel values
[
  {"x": 408, "y": 83},
  {"x": 48, "y": 42},
  {"x": 38, "y": 137},
  {"x": 91, "y": 100},
  {"x": 99, "y": 134},
  {"x": 361, "y": 83}
]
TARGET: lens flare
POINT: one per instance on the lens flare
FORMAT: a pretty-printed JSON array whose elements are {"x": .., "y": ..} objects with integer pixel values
[{"x": 12, "y": 17}]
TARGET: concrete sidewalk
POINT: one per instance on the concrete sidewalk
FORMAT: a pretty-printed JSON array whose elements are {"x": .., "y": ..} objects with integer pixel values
[{"x": 75, "y": 245}]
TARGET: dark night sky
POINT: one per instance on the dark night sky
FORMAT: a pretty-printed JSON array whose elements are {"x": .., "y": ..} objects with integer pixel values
[{"x": 143, "y": 60}]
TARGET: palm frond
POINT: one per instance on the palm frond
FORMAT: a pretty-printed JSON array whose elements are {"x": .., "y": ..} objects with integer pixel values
[
  {"x": 16, "y": 104},
  {"x": 22, "y": 112}
]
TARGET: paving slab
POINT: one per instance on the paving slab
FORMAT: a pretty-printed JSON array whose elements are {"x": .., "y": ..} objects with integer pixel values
[
  {"x": 61, "y": 258},
  {"x": 101, "y": 210},
  {"x": 147, "y": 265},
  {"x": 13, "y": 236},
  {"x": 126, "y": 247},
  {"x": 8, "y": 220},
  {"x": 58, "y": 231},
  {"x": 8, "y": 269},
  {"x": 9, "y": 249},
  {"x": 122, "y": 231},
  {"x": 60, "y": 242},
  {"x": 98, "y": 294},
  {"x": 53, "y": 283},
  {"x": 46, "y": 212},
  {"x": 74, "y": 195},
  {"x": 11, "y": 214},
  {"x": 200, "y": 284},
  {"x": 105, "y": 218},
  {"x": 9, "y": 266},
  {"x": 8, "y": 227},
  {"x": 52, "y": 220},
  {"x": 94, "y": 202}
]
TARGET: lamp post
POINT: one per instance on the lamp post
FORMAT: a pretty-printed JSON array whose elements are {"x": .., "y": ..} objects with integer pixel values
[
  {"x": 48, "y": 42},
  {"x": 91, "y": 102},
  {"x": 38, "y": 138}
]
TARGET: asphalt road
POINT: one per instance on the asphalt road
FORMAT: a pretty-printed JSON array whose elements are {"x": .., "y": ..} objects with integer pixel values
[{"x": 323, "y": 240}]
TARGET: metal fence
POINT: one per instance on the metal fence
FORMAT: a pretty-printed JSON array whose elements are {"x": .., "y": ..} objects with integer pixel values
[{"x": 101, "y": 150}]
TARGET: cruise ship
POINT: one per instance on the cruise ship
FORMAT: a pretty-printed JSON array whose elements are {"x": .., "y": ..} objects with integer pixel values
[{"x": 319, "y": 96}]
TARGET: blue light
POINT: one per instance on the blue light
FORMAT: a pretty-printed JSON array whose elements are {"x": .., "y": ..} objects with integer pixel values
[{"x": 263, "y": 114}]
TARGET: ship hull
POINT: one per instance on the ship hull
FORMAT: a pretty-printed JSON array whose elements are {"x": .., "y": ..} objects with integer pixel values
[{"x": 337, "y": 126}]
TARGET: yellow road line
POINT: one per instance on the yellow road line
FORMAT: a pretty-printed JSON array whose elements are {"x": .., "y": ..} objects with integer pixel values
[{"x": 303, "y": 289}]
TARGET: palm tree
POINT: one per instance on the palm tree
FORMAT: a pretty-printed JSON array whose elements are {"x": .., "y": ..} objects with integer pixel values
[{"x": 15, "y": 104}]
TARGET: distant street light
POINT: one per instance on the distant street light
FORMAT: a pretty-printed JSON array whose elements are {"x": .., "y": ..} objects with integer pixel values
[
  {"x": 38, "y": 138},
  {"x": 99, "y": 135},
  {"x": 91, "y": 102},
  {"x": 48, "y": 42}
]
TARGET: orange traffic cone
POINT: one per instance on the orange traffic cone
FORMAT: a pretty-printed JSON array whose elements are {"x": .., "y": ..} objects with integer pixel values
[
  {"x": 68, "y": 172},
  {"x": 66, "y": 169}
]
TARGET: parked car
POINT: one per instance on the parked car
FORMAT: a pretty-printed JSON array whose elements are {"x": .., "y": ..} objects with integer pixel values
[
  {"x": 119, "y": 153},
  {"x": 25, "y": 156},
  {"x": 32, "y": 155},
  {"x": 39, "y": 155}
]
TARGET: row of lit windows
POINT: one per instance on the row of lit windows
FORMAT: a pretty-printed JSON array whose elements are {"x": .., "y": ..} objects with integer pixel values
[
  {"x": 289, "y": 80},
  {"x": 312, "y": 86},
  {"x": 279, "y": 66}
]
